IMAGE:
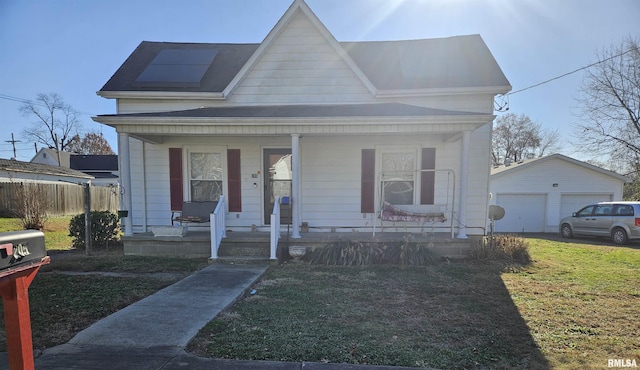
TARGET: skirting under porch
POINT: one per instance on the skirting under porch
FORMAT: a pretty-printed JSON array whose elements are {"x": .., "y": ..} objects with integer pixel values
[{"x": 250, "y": 246}]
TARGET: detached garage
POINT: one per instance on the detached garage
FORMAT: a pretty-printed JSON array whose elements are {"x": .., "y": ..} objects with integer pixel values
[{"x": 537, "y": 193}]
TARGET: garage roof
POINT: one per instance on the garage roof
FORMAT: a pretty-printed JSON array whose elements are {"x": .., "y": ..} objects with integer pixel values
[{"x": 501, "y": 170}]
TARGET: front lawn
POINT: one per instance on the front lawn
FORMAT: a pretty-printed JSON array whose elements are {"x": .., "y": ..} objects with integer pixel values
[
  {"x": 56, "y": 231},
  {"x": 575, "y": 306}
]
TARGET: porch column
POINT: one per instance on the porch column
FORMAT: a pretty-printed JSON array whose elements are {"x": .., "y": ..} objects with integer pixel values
[
  {"x": 125, "y": 180},
  {"x": 464, "y": 185},
  {"x": 295, "y": 185}
]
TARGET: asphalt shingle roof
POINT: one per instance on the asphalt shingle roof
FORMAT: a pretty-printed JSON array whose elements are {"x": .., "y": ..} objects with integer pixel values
[
  {"x": 452, "y": 62},
  {"x": 299, "y": 111},
  {"x": 11, "y": 165}
]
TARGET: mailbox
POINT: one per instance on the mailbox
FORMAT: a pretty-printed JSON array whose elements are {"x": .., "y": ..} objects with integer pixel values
[{"x": 20, "y": 247}]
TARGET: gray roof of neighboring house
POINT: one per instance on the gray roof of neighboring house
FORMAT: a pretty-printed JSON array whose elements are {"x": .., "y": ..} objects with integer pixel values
[
  {"x": 92, "y": 163},
  {"x": 10, "y": 165},
  {"x": 296, "y": 111},
  {"x": 517, "y": 166},
  {"x": 452, "y": 62}
]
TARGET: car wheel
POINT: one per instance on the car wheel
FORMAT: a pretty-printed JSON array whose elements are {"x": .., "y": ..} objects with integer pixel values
[
  {"x": 619, "y": 236},
  {"x": 566, "y": 232}
]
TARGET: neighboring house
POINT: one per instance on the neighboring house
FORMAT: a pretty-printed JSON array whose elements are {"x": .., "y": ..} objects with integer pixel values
[
  {"x": 52, "y": 157},
  {"x": 104, "y": 168},
  {"x": 17, "y": 171},
  {"x": 537, "y": 193},
  {"x": 196, "y": 121}
]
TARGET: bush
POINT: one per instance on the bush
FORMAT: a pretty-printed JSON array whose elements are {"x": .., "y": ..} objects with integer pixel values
[
  {"x": 355, "y": 253},
  {"x": 507, "y": 248},
  {"x": 31, "y": 209},
  {"x": 104, "y": 229}
]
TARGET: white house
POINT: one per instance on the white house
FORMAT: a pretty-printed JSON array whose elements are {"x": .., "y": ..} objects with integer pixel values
[
  {"x": 537, "y": 193},
  {"x": 407, "y": 122},
  {"x": 52, "y": 157}
]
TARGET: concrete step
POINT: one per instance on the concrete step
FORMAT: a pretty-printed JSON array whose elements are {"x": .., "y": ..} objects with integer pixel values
[
  {"x": 244, "y": 260},
  {"x": 244, "y": 249}
]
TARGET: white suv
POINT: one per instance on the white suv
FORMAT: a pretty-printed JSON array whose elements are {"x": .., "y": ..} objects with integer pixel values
[{"x": 618, "y": 220}]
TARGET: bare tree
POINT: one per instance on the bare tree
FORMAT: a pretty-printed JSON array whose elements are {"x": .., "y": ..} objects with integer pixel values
[
  {"x": 610, "y": 100},
  {"x": 56, "y": 121},
  {"x": 516, "y": 135},
  {"x": 91, "y": 143}
]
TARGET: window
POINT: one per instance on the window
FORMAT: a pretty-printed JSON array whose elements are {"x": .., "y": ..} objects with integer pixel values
[
  {"x": 205, "y": 176},
  {"x": 586, "y": 211},
  {"x": 623, "y": 210},
  {"x": 398, "y": 176},
  {"x": 603, "y": 210}
]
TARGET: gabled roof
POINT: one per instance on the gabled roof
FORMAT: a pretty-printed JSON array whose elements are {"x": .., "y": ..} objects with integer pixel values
[
  {"x": 452, "y": 63},
  {"x": 93, "y": 163},
  {"x": 37, "y": 168},
  {"x": 501, "y": 170},
  {"x": 53, "y": 154}
]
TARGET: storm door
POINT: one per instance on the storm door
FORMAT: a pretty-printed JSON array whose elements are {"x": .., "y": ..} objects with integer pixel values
[{"x": 277, "y": 182}]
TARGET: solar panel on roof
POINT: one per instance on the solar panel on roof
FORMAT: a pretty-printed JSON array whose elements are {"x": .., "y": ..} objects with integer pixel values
[{"x": 182, "y": 67}]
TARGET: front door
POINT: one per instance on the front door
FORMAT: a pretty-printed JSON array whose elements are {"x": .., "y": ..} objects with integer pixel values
[{"x": 277, "y": 182}]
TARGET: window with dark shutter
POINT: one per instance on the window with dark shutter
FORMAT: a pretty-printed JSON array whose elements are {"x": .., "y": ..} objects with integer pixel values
[
  {"x": 428, "y": 178},
  {"x": 367, "y": 202},
  {"x": 175, "y": 178},
  {"x": 234, "y": 180}
]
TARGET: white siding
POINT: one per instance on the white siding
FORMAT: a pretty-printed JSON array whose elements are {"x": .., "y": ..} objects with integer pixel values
[
  {"x": 300, "y": 66},
  {"x": 570, "y": 203},
  {"x": 331, "y": 176},
  {"x": 539, "y": 178}
]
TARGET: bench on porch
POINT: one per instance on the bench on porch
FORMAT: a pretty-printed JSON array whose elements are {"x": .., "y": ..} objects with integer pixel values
[{"x": 194, "y": 212}]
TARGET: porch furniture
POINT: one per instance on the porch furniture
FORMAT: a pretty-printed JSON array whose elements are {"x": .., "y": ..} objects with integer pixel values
[{"x": 195, "y": 212}]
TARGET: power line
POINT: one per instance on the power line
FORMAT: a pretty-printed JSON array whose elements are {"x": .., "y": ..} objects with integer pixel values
[
  {"x": 504, "y": 105},
  {"x": 572, "y": 72}
]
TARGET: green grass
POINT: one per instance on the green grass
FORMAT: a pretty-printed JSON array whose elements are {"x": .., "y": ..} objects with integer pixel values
[
  {"x": 56, "y": 232},
  {"x": 581, "y": 302},
  {"x": 63, "y": 305},
  {"x": 576, "y": 306}
]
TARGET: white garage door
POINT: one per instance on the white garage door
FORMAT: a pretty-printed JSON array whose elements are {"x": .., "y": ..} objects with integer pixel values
[
  {"x": 522, "y": 213},
  {"x": 570, "y": 203}
]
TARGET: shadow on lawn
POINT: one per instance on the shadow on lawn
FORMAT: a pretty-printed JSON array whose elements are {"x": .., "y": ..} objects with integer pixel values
[
  {"x": 475, "y": 308},
  {"x": 447, "y": 316}
]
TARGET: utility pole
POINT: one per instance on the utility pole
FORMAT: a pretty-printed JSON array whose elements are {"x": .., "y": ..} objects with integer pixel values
[{"x": 13, "y": 141}]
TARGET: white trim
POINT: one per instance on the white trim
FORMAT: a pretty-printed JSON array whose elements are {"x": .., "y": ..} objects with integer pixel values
[
  {"x": 413, "y": 149},
  {"x": 160, "y": 95},
  {"x": 443, "y": 91},
  {"x": 464, "y": 185},
  {"x": 186, "y": 165},
  {"x": 125, "y": 180},
  {"x": 285, "y": 121}
]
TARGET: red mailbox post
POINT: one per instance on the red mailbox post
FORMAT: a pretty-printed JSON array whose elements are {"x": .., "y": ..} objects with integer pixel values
[{"x": 21, "y": 255}]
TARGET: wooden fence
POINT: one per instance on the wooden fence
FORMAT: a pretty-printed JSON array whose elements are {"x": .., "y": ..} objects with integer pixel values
[{"x": 56, "y": 199}]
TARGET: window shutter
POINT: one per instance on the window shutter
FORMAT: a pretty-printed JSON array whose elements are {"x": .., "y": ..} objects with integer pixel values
[
  {"x": 368, "y": 182},
  {"x": 234, "y": 180},
  {"x": 428, "y": 179},
  {"x": 175, "y": 178}
]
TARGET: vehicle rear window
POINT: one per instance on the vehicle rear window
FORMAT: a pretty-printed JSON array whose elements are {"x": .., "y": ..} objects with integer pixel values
[{"x": 623, "y": 210}]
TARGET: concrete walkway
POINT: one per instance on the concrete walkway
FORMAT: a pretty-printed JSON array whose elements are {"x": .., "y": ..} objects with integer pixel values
[{"x": 152, "y": 333}]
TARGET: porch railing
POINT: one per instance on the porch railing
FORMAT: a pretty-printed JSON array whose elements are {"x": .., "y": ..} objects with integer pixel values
[
  {"x": 275, "y": 228},
  {"x": 218, "y": 226}
]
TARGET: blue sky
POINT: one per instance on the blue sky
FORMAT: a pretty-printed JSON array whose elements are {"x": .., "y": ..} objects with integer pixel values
[{"x": 72, "y": 47}]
